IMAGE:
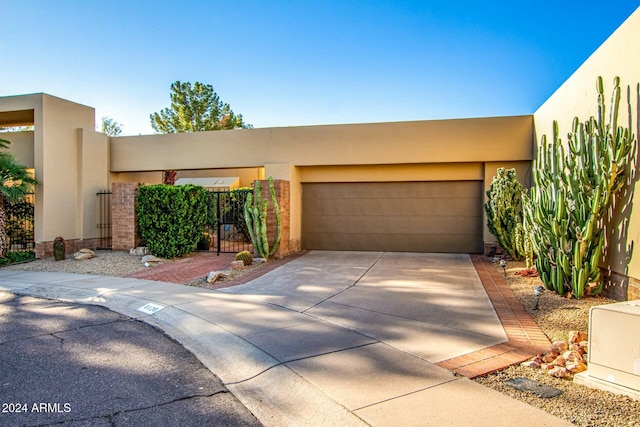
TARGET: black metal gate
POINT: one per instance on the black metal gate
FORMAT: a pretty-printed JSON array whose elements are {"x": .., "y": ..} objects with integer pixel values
[
  {"x": 19, "y": 224},
  {"x": 104, "y": 221},
  {"x": 227, "y": 228}
]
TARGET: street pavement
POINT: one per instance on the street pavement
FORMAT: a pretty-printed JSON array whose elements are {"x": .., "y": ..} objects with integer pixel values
[{"x": 84, "y": 365}]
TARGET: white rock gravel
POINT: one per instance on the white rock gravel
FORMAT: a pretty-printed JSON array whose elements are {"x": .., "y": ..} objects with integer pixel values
[{"x": 106, "y": 263}]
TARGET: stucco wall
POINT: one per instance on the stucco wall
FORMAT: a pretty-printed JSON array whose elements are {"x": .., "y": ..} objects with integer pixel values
[
  {"x": 619, "y": 56},
  {"x": 92, "y": 177},
  {"x": 57, "y": 165},
  {"x": 21, "y": 146},
  {"x": 433, "y": 141}
]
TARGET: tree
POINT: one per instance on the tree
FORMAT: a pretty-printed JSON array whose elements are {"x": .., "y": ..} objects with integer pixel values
[
  {"x": 194, "y": 109},
  {"x": 15, "y": 183},
  {"x": 111, "y": 127}
]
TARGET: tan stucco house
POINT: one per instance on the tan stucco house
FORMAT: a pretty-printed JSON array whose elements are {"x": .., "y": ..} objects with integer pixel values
[{"x": 401, "y": 186}]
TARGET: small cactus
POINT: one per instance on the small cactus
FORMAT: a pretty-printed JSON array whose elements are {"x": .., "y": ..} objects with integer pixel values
[
  {"x": 245, "y": 257},
  {"x": 58, "y": 249}
]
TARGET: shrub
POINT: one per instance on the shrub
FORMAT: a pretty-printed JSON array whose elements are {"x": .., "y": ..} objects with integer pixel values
[
  {"x": 18, "y": 256},
  {"x": 171, "y": 218}
]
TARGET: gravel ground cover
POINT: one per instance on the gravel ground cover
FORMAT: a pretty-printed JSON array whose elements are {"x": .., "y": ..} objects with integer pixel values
[
  {"x": 557, "y": 316},
  {"x": 106, "y": 263}
]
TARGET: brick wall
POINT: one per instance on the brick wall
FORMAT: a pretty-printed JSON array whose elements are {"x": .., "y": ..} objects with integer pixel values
[
  {"x": 282, "y": 190},
  {"x": 124, "y": 227},
  {"x": 45, "y": 249}
]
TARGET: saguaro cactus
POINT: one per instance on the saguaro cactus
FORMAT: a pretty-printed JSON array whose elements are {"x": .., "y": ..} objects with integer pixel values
[
  {"x": 255, "y": 215},
  {"x": 572, "y": 194}
]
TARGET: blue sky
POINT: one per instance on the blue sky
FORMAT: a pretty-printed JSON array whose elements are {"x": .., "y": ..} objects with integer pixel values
[{"x": 291, "y": 63}]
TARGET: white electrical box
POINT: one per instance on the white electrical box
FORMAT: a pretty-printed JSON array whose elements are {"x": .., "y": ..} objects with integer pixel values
[{"x": 614, "y": 344}]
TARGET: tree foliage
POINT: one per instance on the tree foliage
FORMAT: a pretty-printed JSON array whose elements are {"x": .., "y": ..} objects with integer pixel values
[
  {"x": 193, "y": 109},
  {"x": 111, "y": 127}
]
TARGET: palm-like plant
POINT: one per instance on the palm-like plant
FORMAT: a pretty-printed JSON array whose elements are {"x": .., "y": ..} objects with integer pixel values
[{"x": 15, "y": 183}]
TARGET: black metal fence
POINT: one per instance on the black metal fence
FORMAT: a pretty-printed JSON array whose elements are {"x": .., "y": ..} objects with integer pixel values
[
  {"x": 104, "y": 221},
  {"x": 227, "y": 228},
  {"x": 19, "y": 224}
]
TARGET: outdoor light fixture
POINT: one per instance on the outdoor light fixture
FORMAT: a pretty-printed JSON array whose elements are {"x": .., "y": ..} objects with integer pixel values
[
  {"x": 503, "y": 264},
  {"x": 537, "y": 291}
]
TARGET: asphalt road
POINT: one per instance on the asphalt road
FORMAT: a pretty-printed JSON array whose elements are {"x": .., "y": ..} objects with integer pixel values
[{"x": 83, "y": 365}]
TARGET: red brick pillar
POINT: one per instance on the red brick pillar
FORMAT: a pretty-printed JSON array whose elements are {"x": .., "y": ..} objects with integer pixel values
[
  {"x": 124, "y": 221},
  {"x": 283, "y": 198}
]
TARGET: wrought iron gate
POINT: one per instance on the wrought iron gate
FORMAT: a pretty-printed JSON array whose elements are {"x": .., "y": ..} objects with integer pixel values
[
  {"x": 19, "y": 218},
  {"x": 104, "y": 221},
  {"x": 228, "y": 230}
]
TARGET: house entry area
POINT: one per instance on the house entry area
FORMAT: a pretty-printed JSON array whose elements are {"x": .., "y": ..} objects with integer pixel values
[{"x": 434, "y": 216}]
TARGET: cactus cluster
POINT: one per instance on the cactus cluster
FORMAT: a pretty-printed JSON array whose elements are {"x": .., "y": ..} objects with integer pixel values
[
  {"x": 504, "y": 217},
  {"x": 245, "y": 257},
  {"x": 255, "y": 215},
  {"x": 573, "y": 191}
]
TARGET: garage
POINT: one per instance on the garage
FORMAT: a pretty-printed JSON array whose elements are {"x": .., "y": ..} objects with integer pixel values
[{"x": 434, "y": 216}]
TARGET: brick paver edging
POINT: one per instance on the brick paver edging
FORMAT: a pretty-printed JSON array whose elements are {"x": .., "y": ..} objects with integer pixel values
[{"x": 526, "y": 339}]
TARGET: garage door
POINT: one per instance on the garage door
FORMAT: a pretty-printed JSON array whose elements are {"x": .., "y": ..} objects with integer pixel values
[{"x": 393, "y": 216}]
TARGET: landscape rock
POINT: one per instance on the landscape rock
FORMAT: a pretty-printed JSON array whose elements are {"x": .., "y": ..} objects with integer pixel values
[
  {"x": 559, "y": 372},
  {"x": 576, "y": 336},
  {"x": 150, "y": 259},
  {"x": 530, "y": 364},
  {"x": 560, "y": 361},
  {"x": 139, "y": 251},
  {"x": 259, "y": 260},
  {"x": 576, "y": 367},
  {"x": 237, "y": 265},
  {"x": 213, "y": 276},
  {"x": 559, "y": 346},
  {"x": 550, "y": 357},
  {"x": 578, "y": 348},
  {"x": 83, "y": 254}
]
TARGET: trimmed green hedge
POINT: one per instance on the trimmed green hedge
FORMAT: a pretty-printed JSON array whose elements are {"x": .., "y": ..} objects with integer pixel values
[
  {"x": 18, "y": 256},
  {"x": 171, "y": 218}
]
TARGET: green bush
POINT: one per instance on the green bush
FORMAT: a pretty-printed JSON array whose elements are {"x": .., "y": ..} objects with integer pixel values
[
  {"x": 171, "y": 218},
  {"x": 18, "y": 256}
]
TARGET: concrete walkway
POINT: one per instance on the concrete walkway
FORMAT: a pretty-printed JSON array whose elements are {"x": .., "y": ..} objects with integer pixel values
[{"x": 330, "y": 338}]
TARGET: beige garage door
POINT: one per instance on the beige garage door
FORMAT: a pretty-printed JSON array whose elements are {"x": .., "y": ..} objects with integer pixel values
[{"x": 393, "y": 216}]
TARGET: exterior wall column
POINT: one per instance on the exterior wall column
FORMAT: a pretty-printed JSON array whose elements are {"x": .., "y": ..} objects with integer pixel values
[
  {"x": 124, "y": 227},
  {"x": 282, "y": 190}
]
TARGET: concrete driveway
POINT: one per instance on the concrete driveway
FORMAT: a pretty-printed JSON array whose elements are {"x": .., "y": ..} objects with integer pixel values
[{"x": 331, "y": 338}]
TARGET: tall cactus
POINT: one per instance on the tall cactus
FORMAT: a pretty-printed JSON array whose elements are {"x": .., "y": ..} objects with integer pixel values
[
  {"x": 573, "y": 192},
  {"x": 255, "y": 215},
  {"x": 504, "y": 217}
]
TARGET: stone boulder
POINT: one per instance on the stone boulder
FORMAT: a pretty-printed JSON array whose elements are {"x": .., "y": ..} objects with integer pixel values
[
  {"x": 237, "y": 265},
  {"x": 150, "y": 259},
  {"x": 213, "y": 276},
  {"x": 83, "y": 254},
  {"x": 139, "y": 251}
]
